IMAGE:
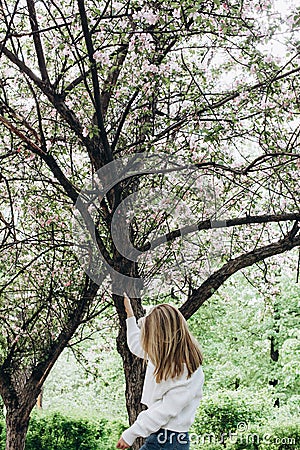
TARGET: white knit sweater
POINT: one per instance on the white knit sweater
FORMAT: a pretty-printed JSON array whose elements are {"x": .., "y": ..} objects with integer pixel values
[{"x": 172, "y": 403}]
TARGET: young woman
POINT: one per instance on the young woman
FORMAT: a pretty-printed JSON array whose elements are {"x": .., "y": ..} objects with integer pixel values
[{"x": 173, "y": 381}]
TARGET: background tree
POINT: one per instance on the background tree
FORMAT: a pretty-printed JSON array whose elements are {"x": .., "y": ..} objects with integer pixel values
[{"x": 85, "y": 84}]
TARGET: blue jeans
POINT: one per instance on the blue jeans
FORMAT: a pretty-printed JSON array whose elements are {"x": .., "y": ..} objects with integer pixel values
[{"x": 167, "y": 440}]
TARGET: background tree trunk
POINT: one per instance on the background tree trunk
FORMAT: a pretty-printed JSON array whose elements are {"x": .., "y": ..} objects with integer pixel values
[
  {"x": 274, "y": 347},
  {"x": 39, "y": 402}
]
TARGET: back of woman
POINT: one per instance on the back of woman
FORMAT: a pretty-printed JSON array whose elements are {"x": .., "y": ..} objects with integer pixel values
[{"x": 173, "y": 381}]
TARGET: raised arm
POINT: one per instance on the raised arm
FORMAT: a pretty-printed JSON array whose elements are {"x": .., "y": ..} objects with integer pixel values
[
  {"x": 127, "y": 305},
  {"x": 133, "y": 331}
]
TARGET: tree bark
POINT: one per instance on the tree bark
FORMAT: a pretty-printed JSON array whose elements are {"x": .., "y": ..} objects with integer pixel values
[
  {"x": 274, "y": 347},
  {"x": 16, "y": 429},
  {"x": 134, "y": 374},
  {"x": 39, "y": 402}
]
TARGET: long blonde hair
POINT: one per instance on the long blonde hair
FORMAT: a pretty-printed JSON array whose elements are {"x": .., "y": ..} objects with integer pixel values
[{"x": 168, "y": 343}]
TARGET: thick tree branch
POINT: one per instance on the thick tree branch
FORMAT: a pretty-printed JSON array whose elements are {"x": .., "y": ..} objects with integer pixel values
[
  {"x": 210, "y": 224},
  {"x": 96, "y": 88},
  {"x": 37, "y": 40},
  {"x": 69, "y": 188},
  {"x": 77, "y": 81},
  {"x": 20, "y": 119},
  {"x": 21, "y": 65},
  {"x": 49, "y": 160},
  {"x": 211, "y": 285},
  {"x": 35, "y": 148}
]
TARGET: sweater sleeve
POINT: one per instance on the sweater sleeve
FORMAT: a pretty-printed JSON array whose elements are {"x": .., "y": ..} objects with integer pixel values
[
  {"x": 158, "y": 414},
  {"x": 133, "y": 337}
]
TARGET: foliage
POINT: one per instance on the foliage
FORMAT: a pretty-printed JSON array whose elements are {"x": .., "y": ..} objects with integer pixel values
[
  {"x": 58, "y": 432},
  {"x": 225, "y": 411},
  {"x": 62, "y": 432},
  {"x": 274, "y": 436},
  {"x": 282, "y": 436},
  {"x": 245, "y": 430},
  {"x": 79, "y": 387},
  {"x": 234, "y": 328}
]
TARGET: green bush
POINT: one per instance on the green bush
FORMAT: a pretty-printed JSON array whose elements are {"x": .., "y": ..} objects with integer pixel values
[
  {"x": 281, "y": 436},
  {"x": 271, "y": 436},
  {"x": 250, "y": 439},
  {"x": 110, "y": 432},
  {"x": 224, "y": 413},
  {"x": 58, "y": 432}
]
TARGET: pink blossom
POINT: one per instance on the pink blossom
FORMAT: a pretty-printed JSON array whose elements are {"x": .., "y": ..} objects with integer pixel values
[
  {"x": 147, "y": 41},
  {"x": 177, "y": 13},
  {"x": 152, "y": 68},
  {"x": 66, "y": 51},
  {"x": 150, "y": 17},
  {"x": 131, "y": 44},
  {"x": 100, "y": 56},
  {"x": 97, "y": 55}
]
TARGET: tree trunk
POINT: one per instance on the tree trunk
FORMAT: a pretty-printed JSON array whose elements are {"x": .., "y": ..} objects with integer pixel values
[
  {"x": 274, "y": 347},
  {"x": 134, "y": 375},
  {"x": 133, "y": 366},
  {"x": 39, "y": 401},
  {"x": 16, "y": 429}
]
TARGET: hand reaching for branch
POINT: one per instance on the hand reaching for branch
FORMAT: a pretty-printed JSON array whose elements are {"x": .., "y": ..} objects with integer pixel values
[{"x": 127, "y": 306}]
